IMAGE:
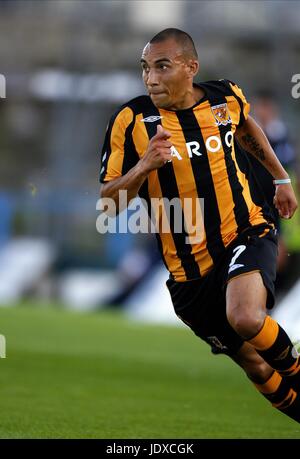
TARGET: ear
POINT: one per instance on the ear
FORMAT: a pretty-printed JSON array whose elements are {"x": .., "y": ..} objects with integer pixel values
[{"x": 193, "y": 67}]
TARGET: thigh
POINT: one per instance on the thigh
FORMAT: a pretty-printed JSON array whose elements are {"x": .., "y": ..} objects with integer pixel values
[
  {"x": 253, "y": 254},
  {"x": 247, "y": 294}
]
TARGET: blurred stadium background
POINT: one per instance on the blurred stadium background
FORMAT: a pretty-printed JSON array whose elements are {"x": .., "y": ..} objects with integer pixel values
[{"x": 68, "y": 64}]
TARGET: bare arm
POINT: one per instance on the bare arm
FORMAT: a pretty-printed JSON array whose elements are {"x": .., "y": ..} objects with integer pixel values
[
  {"x": 157, "y": 154},
  {"x": 131, "y": 182},
  {"x": 252, "y": 138}
]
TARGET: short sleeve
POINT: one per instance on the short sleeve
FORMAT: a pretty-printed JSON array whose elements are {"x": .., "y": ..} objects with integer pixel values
[
  {"x": 116, "y": 150},
  {"x": 244, "y": 106}
]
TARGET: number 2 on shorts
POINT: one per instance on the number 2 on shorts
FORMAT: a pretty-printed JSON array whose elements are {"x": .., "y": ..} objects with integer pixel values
[{"x": 239, "y": 249}]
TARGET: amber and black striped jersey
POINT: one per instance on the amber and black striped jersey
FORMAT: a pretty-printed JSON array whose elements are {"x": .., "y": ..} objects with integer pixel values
[{"x": 203, "y": 166}]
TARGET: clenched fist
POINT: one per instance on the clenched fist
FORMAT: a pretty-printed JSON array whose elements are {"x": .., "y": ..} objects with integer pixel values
[
  {"x": 158, "y": 151},
  {"x": 285, "y": 200}
]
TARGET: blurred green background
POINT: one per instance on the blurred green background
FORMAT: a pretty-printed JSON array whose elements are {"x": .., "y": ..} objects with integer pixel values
[{"x": 75, "y": 375}]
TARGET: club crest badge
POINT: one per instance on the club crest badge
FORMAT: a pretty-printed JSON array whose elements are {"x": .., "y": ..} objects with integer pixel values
[{"x": 221, "y": 114}]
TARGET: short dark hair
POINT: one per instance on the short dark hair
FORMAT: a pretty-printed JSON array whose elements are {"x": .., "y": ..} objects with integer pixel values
[{"x": 181, "y": 37}]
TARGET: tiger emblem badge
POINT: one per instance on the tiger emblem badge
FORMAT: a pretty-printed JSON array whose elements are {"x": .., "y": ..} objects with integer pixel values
[{"x": 221, "y": 114}]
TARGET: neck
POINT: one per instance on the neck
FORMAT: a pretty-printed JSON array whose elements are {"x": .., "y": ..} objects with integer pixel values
[{"x": 189, "y": 99}]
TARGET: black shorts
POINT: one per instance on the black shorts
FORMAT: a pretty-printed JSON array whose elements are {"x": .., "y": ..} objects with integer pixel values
[{"x": 201, "y": 303}]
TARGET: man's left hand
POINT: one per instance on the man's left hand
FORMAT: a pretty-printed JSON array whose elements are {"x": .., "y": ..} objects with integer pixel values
[{"x": 285, "y": 200}]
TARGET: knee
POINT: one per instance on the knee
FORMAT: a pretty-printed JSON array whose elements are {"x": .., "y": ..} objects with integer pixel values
[{"x": 245, "y": 321}]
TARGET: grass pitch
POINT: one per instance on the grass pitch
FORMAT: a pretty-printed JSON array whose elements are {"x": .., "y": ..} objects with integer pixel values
[{"x": 74, "y": 375}]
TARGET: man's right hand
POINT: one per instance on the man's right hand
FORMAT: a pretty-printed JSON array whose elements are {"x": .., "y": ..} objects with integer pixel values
[{"x": 158, "y": 151}]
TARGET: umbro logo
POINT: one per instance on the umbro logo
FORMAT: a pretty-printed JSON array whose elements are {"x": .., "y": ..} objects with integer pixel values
[
  {"x": 217, "y": 343},
  {"x": 151, "y": 119}
]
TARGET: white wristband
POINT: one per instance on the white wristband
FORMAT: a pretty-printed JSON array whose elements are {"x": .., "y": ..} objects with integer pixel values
[{"x": 282, "y": 181}]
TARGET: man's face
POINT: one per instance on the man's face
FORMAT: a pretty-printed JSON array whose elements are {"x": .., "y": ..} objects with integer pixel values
[{"x": 166, "y": 73}]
